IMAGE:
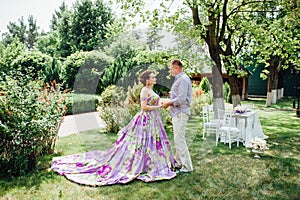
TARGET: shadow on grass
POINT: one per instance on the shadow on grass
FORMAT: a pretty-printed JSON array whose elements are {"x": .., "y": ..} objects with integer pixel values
[
  {"x": 219, "y": 172},
  {"x": 72, "y": 144},
  {"x": 34, "y": 179}
]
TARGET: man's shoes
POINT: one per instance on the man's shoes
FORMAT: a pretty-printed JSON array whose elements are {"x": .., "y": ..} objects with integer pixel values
[
  {"x": 177, "y": 167},
  {"x": 181, "y": 171}
]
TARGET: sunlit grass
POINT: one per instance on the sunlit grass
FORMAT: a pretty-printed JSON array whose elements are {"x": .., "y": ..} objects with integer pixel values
[{"x": 219, "y": 172}]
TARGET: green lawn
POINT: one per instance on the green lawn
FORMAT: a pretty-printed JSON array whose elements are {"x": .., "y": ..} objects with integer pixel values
[{"x": 220, "y": 173}]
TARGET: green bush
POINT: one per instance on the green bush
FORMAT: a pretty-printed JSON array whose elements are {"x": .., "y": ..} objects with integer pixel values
[
  {"x": 82, "y": 71},
  {"x": 119, "y": 68},
  {"x": 81, "y": 103},
  {"x": 112, "y": 109},
  {"x": 199, "y": 99},
  {"x": 227, "y": 92},
  {"x": 114, "y": 116},
  {"x": 8, "y": 54},
  {"x": 29, "y": 119},
  {"x": 133, "y": 102},
  {"x": 113, "y": 94},
  {"x": 32, "y": 64},
  {"x": 205, "y": 85}
]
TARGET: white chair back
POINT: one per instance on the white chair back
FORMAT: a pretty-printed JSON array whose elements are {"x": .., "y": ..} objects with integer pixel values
[
  {"x": 227, "y": 121},
  {"x": 205, "y": 114},
  {"x": 221, "y": 115}
]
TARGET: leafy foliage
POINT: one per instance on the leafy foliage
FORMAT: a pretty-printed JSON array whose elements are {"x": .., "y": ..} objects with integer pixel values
[
  {"x": 118, "y": 69},
  {"x": 113, "y": 94},
  {"x": 125, "y": 48},
  {"x": 81, "y": 103},
  {"x": 53, "y": 72},
  {"x": 112, "y": 110},
  {"x": 227, "y": 92},
  {"x": 133, "y": 101},
  {"x": 205, "y": 85},
  {"x": 29, "y": 119},
  {"x": 32, "y": 65},
  {"x": 82, "y": 71},
  {"x": 27, "y": 34},
  {"x": 8, "y": 54},
  {"x": 48, "y": 43},
  {"x": 81, "y": 28}
]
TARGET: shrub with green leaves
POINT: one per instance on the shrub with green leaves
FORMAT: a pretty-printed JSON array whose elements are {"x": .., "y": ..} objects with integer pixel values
[
  {"x": 112, "y": 110},
  {"x": 133, "y": 102},
  {"x": 113, "y": 94},
  {"x": 29, "y": 119},
  {"x": 205, "y": 85},
  {"x": 114, "y": 116},
  {"x": 227, "y": 92},
  {"x": 199, "y": 99},
  {"x": 81, "y": 103},
  {"x": 82, "y": 71},
  {"x": 32, "y": 64}
]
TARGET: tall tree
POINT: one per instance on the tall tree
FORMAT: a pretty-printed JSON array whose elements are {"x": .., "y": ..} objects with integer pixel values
[
  {"x": 153, "y": 38},
  {"x": 31, "y": 33},
  {"x": 57, "y": 16},
  {"x": 15, "y": 30},
  {"x": 83, "y": 27},
  {"x": 26, "y": 34},
  {"x": 275, "y": 43},
  {"x": 219, "y": 23}
]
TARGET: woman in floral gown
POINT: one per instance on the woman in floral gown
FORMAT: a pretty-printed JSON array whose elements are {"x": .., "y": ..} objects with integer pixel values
[{"x": 142, "y": 150}]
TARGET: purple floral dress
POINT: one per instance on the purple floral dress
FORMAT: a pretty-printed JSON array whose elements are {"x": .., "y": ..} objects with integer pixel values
[{"x": 142, "y": 152}]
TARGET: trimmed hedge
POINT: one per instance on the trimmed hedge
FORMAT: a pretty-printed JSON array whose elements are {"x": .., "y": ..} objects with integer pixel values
[{"x": 82, "y": 103}]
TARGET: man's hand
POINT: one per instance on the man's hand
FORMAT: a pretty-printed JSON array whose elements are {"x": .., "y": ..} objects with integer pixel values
[{"x": 166, "y": 104}]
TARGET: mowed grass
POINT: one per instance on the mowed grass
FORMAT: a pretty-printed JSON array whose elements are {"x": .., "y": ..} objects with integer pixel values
[{"x": 219, "y": 172}]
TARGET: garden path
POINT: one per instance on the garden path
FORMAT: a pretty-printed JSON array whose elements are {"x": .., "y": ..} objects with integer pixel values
[
  {"x": 80, "y": 122},
  {"x": 72, "y": 124}
]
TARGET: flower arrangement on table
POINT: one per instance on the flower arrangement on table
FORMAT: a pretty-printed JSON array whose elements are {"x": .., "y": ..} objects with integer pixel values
[
  {"x": 239, "y": 109},
  {"x": 258, "y": 144}
]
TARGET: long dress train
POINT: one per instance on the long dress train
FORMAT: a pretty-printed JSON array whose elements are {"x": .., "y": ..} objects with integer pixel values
[{"x": 142, "y": 151}]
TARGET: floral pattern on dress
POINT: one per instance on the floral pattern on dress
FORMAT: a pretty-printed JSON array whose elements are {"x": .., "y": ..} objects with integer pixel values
[{"x": 142, "y": 151}]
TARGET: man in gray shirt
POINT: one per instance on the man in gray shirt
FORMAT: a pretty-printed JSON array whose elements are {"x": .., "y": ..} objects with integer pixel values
[{"x": 180, "y": 100}]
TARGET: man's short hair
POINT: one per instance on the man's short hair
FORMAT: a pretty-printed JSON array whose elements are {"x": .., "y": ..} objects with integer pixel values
[{"x": 177, "y": 62}]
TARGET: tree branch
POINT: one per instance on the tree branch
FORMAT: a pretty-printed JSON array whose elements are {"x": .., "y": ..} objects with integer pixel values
[
  {"x": 195, "y": 12},
  {"x": 225, "y": 17},
  {"x": 235, "y": 10},
  {"x": 240, "y": 44}
]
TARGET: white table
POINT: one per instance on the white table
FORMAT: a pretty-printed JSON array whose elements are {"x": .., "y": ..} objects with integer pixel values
[{"x": 249, "y": 126}]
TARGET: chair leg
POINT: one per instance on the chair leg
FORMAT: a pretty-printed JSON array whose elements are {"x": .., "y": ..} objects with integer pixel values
[
  {"x": 229, "y": 140},
  {"x": 208, "y": 131},
  {"x": 217, "y": 137}
]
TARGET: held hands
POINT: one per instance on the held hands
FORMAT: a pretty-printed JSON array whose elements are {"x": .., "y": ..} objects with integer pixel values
[{"x": 165, "y": 105}]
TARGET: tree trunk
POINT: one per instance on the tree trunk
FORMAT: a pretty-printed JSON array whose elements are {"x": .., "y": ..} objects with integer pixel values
[
  {"x": 280, "y": 85},
  {"x": 213, "y": 43},
  {"x": 245, "y": 88},
  {"x": 217, "y": 79},
  {"x": 274, "y": 68},
  {"x": 217, "y": 87},
  {"x": 234, "y": 87}
]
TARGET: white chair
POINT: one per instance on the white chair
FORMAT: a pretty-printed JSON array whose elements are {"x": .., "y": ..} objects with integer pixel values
[
  {"x": 228, "y": 132},
  {"x": 210, "y": 125}
]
